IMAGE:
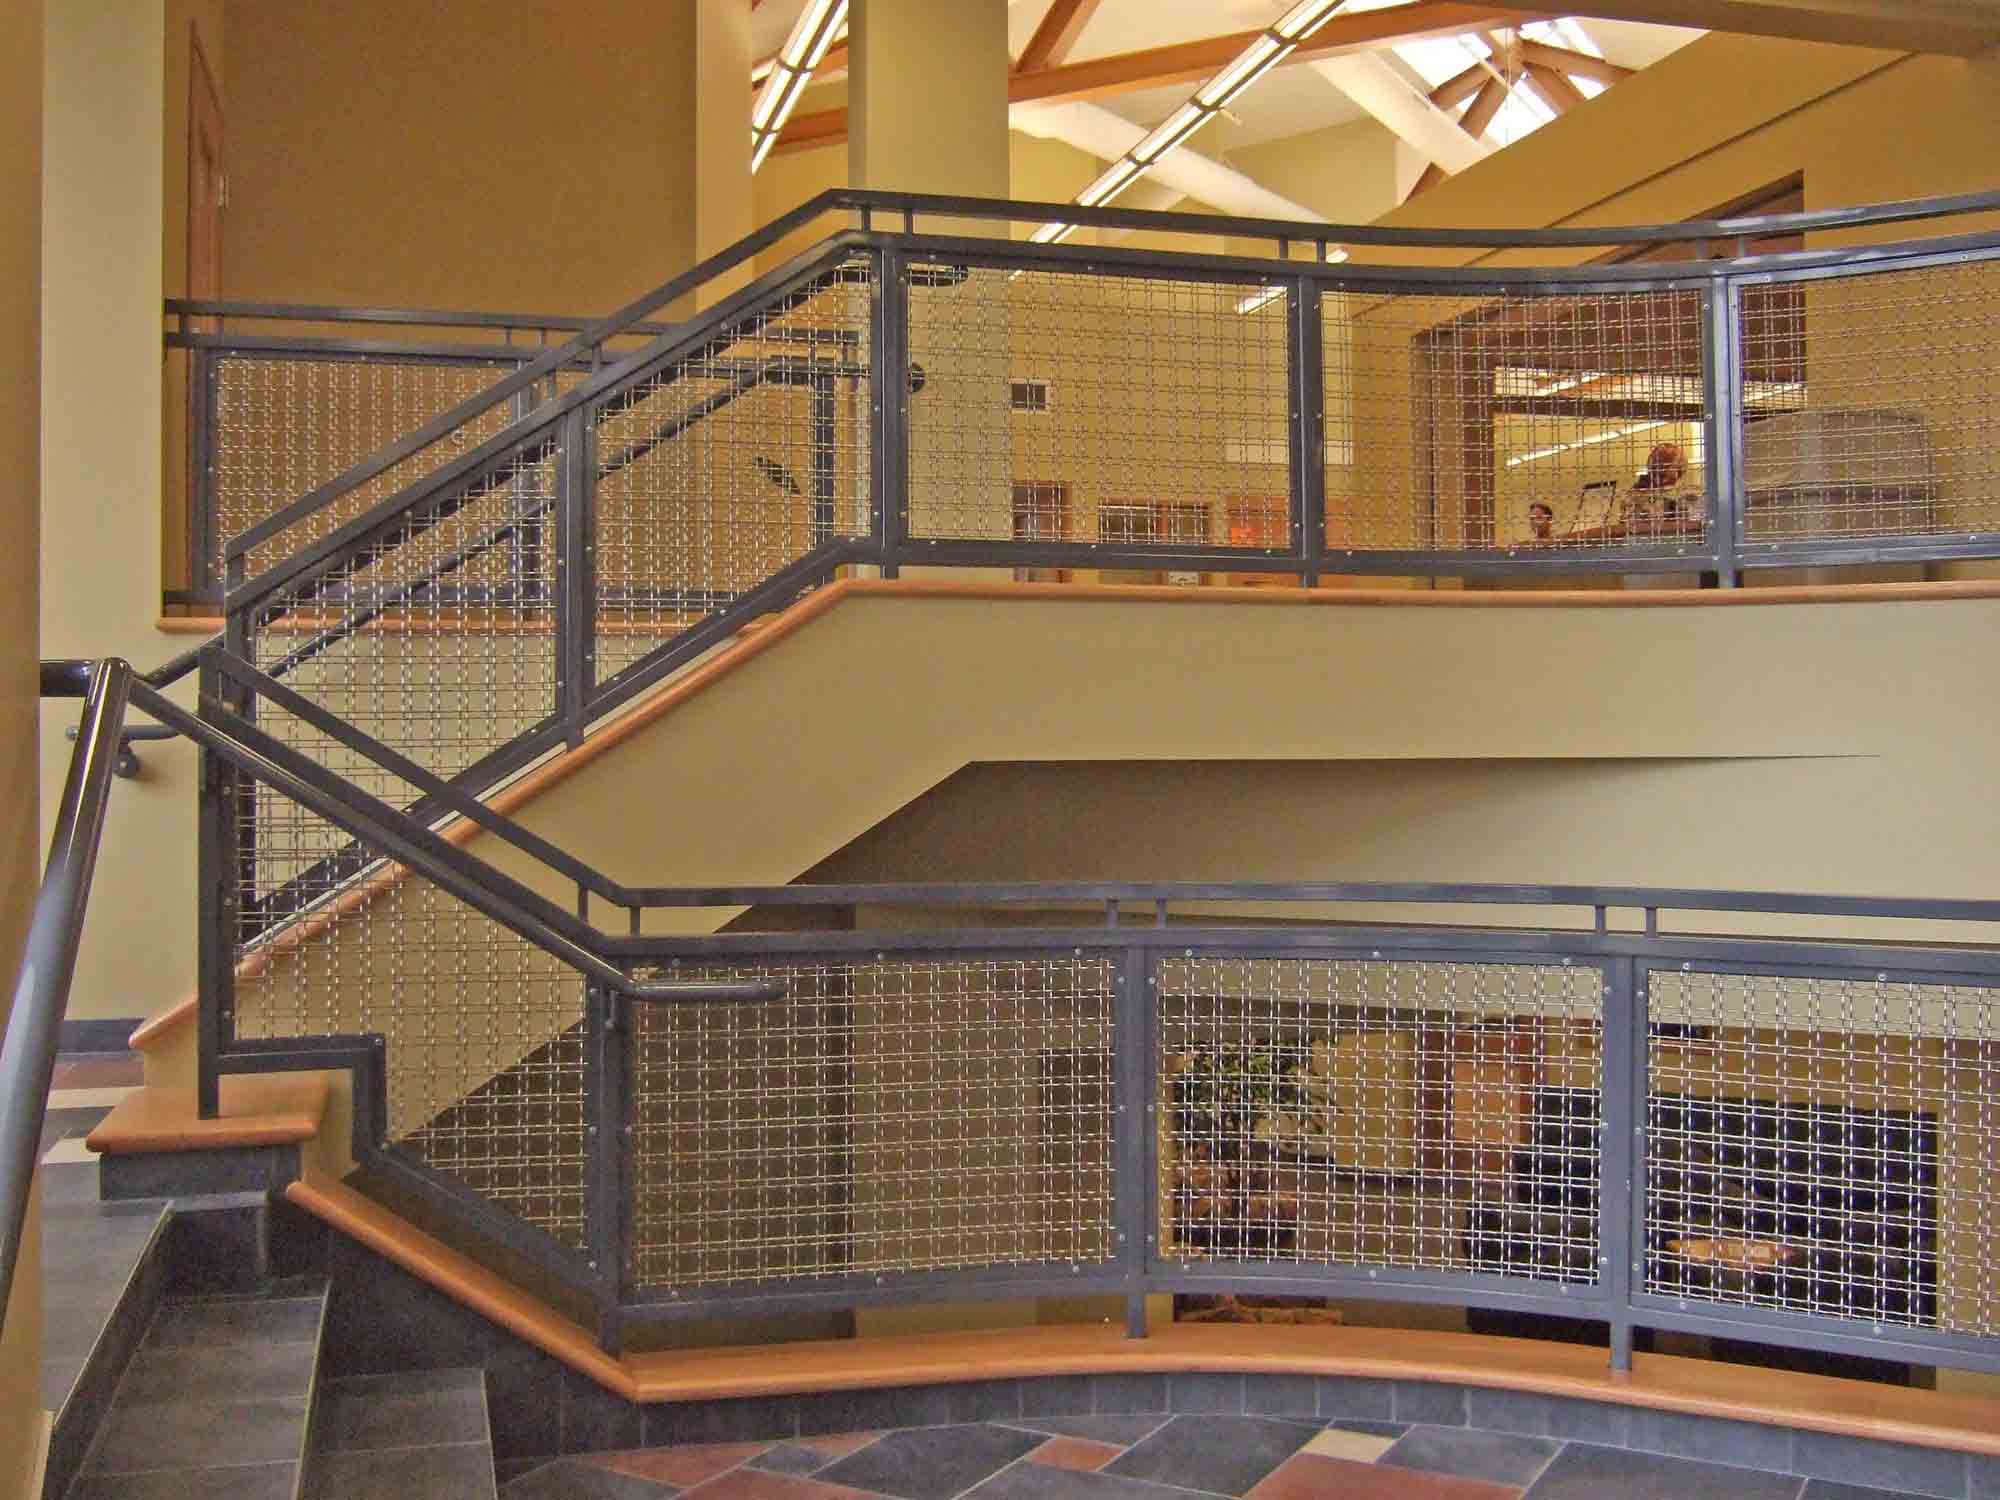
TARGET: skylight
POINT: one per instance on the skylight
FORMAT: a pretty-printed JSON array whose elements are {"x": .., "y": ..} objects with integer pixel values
[{"x": 1436, "y": 59}]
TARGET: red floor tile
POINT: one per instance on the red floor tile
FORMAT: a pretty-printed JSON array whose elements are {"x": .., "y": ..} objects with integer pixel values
[
  {"x": 1074, "y": 1453},
  {"x": 1308, "y": 1476},
  {"x": 685, "y": 1465}
]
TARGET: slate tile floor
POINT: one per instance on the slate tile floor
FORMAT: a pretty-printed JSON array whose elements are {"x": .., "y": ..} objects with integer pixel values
[
  {"x": 1160, "y": 1458},
  {"x": 89, "y": 1248}
]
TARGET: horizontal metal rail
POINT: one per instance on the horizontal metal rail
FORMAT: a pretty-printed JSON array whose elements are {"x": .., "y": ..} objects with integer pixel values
[{"x": 55, "y": 932}]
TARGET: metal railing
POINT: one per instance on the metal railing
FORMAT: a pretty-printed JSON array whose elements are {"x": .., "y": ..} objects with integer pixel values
[
  {"x": 48, "y": 956},
  {"x": 1783, "y": 1139},
  {"x": 1646, "y": 1128},
  {"x": 614, "y": 506}
]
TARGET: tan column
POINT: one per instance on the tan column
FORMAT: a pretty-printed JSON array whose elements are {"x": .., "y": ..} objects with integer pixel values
[
  {"x": 23, "y": 1423},
  {"x": 927, "y": 113},
  {"x": 723, "y": 202},
  {"x": 927, "y": 96}
]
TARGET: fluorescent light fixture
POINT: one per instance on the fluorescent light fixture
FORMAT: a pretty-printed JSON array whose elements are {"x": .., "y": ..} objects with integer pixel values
[
  {"x": 1120, "y": 175},
  {"x": 1303, "y": 19},
  {"x": 1336, "y": 255},
  {"x": 1259, "y": 299},
  {"x": 1241, "y": 71},
  {"x": 1237, "y": 75},
  {"x": 805, "y": 48},
  {"x": 1170, "y": 132},
  {"x": 1603, "y": 437}
]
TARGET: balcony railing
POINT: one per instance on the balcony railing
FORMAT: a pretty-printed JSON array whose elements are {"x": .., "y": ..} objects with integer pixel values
[{"x": 1773, "y": 1137}]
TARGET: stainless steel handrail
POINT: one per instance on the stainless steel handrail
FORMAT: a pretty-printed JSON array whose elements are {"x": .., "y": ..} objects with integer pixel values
[{"x": 48, "y": 958}]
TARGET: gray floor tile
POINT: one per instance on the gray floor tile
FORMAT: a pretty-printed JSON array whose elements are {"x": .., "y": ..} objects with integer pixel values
[
  {"x": 235, "y": 1320},
  {"x": 191, "y": 1434},
  {"x": 1040, "y": 1482},
  {"x": 1124, "y": 1431},
  {"x": 1584, "y": 1471},
  {"x": 790, "y": 1458},
  {"x": 930, "y": 1463},
  {"x": 1497, "y": 1457},
  {"x": 461, "y": 1472},
  {"x": 1826, "y": 1489},
  {"x": 255, "y": 1482},
  {"x": 1226, "y": 1455},
  {"x": 396, "y": 1411},
  {"x": 247, "y": 1372},
  {"x": 1913, "y": 1471},
  {"x": 573, "y": 1479}
]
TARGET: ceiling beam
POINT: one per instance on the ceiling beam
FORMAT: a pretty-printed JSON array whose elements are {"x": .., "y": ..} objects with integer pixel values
[
  {"x": 1576, "y": 64},
  {"x": 1461, "y": 86},
  {"x": 1057, "y": 34},
  {"x": 1484, "y": 107},
  {"x": 1562, "y": 95},
  {"x": 1093, "y": 129},
  {"x": 1946, "y": 26},
  {"x": 1432, "y": 176},
  {"x": 1380, "y": 90},
  {"x": 1197, "y": 62}
]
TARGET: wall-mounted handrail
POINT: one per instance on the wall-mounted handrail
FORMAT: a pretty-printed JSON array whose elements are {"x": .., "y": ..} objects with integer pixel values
[{"x": 48, "y": 957}]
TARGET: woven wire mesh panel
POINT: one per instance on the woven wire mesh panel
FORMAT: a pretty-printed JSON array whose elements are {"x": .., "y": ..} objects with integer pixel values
[
  {"x": 1872, "y": 405},
  {"x": 287, "y": 422},
  {"x": 716, "y": 472},
  {"x": 1463, "y": 422},
  {"x": 1138, "y": 408},
  {"x": 1826, "y": 1146},
  {"x": 888, "y": 1116},
  {"x": 439, "y": 643},
  {"x": 1396, "y": 1113},
  {"x": 483, "y": 1051}
]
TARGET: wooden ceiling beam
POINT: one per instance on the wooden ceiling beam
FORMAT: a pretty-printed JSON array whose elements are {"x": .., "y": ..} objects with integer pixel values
[
  {"x": 1460, "y": 87},
  {"x": 1576, "y": 64},
  {"x": 1485, "y": 105},
  {"x": 1433, "y": 175},
  {"x": 1562, "y": 95},
  {"x": 1060, "y": 27},
  {"x": 1198, "y": 61}
]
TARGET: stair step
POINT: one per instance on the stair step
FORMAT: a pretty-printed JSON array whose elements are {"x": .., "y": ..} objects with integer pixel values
[
  {"x": 423, "y": 1433},
  {"x": 216, "y": 1402}
]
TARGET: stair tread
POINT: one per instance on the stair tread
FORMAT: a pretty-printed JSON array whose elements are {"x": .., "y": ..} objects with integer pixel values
[{"x": 413, "y": 1432}]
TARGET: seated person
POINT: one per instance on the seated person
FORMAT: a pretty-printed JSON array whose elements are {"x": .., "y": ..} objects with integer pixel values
[
  {"x": 1654, "y": 503},
  {"x": 1541, "y": 524}
]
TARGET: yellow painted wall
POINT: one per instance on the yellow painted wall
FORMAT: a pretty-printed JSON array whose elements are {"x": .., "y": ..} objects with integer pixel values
[
  {"x": 531, "y": 157},
  {"x": 186, "y": 22},
  {"x": 104, "y": 223},
  {"x": 23, "y": 1423}
]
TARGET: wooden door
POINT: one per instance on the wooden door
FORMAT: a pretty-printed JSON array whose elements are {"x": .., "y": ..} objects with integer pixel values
[{"x": 205, "y": 180}]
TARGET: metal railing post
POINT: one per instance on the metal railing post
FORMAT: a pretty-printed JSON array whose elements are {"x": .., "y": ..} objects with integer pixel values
[
  {"x": 1135, "y": 1194},
  {"x": 204, "y": 544},
  {"x": 607, "y": 1020},
  {"x": 576, "y": 573},
  {"x": 1620, "y": 1198},
  {"x": 1722, "y": 375},
  {"x": 1307, "y": 428},
  {"x": 889, "y": 409}
]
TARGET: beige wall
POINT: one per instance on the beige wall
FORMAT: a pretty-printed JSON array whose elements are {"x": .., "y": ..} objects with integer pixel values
[
  {"x": 23, "y": 1423},
  {"x": 526, "y": 158},
  {"x": 103, "y": 227}
]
